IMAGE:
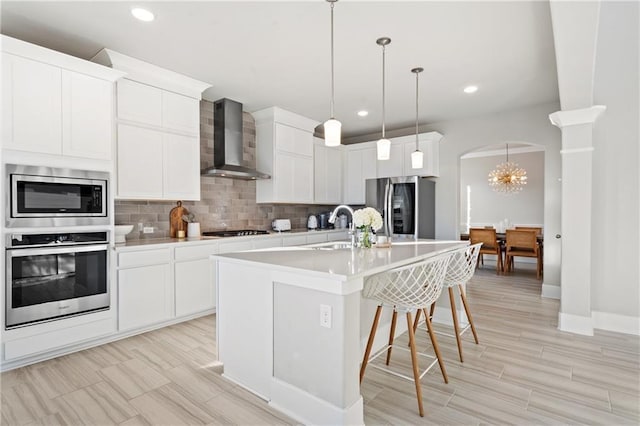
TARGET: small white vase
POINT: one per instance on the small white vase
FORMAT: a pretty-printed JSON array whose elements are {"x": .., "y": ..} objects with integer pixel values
[{"x": 193, "y": 230}]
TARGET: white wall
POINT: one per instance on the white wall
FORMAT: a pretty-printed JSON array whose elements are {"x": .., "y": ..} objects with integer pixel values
[
  {"x": 615, "y": 279},
  {"x": 489, "y": 207},
  {"x": 528, "y": 125}
]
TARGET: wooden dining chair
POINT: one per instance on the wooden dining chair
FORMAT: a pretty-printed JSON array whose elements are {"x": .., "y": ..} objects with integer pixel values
[
  {"x": 490, "y": 244},
  {"x": 523, "y": 243},
  {"x": 538, "y": 230}
]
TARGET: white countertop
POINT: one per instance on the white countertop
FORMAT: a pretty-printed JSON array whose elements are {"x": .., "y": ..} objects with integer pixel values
[
  {"x": 343, "y": 264},
  {"x": 162, "y": 242}
]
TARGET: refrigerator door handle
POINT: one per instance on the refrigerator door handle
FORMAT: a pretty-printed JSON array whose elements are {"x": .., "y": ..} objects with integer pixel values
[{"x": 388, "y": 198}]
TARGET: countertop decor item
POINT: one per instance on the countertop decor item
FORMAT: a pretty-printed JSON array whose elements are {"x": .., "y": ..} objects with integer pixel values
[
  {"x": 121, "y": 231},
  {"x": 366, "y": 220},
  {"x": 176, "y": 223}
]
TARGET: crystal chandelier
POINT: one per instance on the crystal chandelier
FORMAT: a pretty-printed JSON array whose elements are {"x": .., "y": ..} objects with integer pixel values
[{"x": 508, "y": 178}]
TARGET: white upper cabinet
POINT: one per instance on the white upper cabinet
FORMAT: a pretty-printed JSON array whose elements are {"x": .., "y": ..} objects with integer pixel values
[
  {"x": 140, "y": 162},
  {"x": 284, "y": 150},
  {"x": 327, "y": 173},
  {"x": 429, "y": 144},
  {"x": 87, "y": 116},
  {"x": 399, "y": 164},
  {"x": 32, "y": 105},
  {"x": 53, "y": 103},
  {"x": 359, "y": 165},
  {"x": 164, "y": 107},
  {"x": 139, "y": 102}
]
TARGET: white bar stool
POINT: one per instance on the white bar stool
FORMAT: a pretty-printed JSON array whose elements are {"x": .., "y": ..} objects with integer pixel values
[
  {"x": 415, "y": 286},
  {"x": 460, "y": 270}
]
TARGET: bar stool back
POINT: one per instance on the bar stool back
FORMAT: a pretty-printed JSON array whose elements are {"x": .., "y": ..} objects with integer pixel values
[{"x": 415, "y": 286}]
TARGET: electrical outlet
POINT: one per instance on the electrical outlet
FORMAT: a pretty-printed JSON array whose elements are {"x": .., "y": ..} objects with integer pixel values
[
  {"x": 148, "y": 230},
  {"x": 325, "y": 316}
]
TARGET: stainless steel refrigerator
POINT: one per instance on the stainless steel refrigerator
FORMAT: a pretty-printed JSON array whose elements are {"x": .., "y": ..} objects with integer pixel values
[{"x": 407, "y": 205}]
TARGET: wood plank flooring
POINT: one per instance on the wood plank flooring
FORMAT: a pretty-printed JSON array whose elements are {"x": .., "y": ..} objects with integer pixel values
[{"x": 524, "y": 371}]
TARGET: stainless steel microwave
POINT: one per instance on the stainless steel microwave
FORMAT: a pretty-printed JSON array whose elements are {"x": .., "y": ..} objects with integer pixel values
[{"x": 47, "y": 196}]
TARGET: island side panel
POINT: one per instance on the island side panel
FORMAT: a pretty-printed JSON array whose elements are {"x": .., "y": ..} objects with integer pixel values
[
  {"x": 244, "y": 320},
  {"x": 319, "y": 360}
]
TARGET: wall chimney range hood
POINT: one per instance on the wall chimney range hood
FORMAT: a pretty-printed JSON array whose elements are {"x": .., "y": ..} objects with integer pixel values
[{"x": 227, "y": 143}]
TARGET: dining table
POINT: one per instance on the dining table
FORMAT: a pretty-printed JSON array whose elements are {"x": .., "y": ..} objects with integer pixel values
[{"x": 502, "y": 240}]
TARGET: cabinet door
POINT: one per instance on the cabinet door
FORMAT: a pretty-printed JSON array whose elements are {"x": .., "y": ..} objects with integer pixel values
[
  {"x": 144, "y": 296},
  {"x": 140, "y": 170},
  {"x": 293, "y": 178},
  {"x": 430, "y": 158},
  {"x": 180, "y": 113},
  {"x": 87, "y": 116},
  {"x": 139, "y": 102},
  {"x": 181, "y": 167},
  {"x": 31, "y": 105},
  {"x": 394, "y": 166},
  {"x": 360, "y": 165},
  {"x": 293, "y": 140},
  {"x": 327, "y": 175},
  {"x": 195, "y": 286}
]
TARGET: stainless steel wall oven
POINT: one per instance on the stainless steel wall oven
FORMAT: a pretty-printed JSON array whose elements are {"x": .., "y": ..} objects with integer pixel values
[
  {"x": 47, "y": 196},
  {"x": 55, "y": 275}
]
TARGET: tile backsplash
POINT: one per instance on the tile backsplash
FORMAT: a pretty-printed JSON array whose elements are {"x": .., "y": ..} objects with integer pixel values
[{"x": 225, "y": 203}]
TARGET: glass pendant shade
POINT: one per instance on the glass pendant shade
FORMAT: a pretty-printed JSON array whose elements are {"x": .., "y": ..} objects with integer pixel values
[
  {"x": 417, "y": 159},
  {"x": 384, "y": 149},
  {"x": 332, "y": 128}
]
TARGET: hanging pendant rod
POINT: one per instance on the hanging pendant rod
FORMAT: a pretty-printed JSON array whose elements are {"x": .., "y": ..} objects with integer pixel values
[
  {"x": 333, "y": 2},
  {"x": 383, "y": 41},
  {"x": 417, "y": 71}
]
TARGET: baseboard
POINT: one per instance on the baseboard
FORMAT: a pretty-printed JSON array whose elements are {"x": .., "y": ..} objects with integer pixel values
[
  {"x": 309, "y": 409},
  {"x": 575, "y": 324},
  {"x": 551, "y": 291},
  {"x": 616, "y": 322}
]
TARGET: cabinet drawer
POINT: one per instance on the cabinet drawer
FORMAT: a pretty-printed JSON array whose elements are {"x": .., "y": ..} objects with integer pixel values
[
  {"x": 316, "y": 238},
  {"x": 231, "y": 247},
  {"x": 296, "y": 240},
  {"x": 141, "y": 258},
  {"x": 196, "y": 252},
  {"x": 56, "y": 339}
]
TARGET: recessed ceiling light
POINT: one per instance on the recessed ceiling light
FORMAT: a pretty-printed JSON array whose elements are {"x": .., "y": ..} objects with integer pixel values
[
  {"x": 363, "y": 113},
  {"x": 142, "y": 14},
  {"x": 471, "y": 89}
]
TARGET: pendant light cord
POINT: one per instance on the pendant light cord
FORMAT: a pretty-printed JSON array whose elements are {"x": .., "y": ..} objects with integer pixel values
[
  {"x": 383, "y": 91},
  {"x": 417, "y": 147},
  {"x": 507, "y": 153},
  {"x": 332, "y": 78}
]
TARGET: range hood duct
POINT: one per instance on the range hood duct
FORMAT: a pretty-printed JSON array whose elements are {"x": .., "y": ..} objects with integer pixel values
[{"x": 227, "y": 143}]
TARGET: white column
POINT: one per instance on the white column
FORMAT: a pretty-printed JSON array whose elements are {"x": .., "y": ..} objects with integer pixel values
[{"x": 577, "y": 151}]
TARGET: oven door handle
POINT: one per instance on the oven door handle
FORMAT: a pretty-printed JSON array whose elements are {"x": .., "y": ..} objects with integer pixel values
[{"x": 56, "y": 250}]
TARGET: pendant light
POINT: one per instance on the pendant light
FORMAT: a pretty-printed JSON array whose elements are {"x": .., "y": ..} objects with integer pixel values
[
  {"x": 417, "y": 156},
  {"x": 384, "y": 144},
  {"x": 332, "y": 127}
]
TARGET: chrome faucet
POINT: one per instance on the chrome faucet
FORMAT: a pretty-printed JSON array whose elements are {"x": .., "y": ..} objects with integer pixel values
[{"x": 334, "y": 215}]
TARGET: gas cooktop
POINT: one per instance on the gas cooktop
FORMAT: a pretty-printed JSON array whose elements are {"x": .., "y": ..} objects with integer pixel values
[{"x": 233, "y": 233}]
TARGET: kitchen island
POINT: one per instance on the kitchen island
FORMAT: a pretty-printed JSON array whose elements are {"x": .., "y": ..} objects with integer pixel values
[{"x": 291, "y": 323}]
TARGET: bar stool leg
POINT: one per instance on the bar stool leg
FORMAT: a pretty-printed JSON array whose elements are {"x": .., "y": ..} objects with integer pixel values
[
  {"x": 414, "y": 361},
  {"x": 372, "y": 335},
  {"x": 432, "y": 310},
  {"x": 452, "y": 302},
  {"x": 392, "y": 333},
  {"x": 436, "y": 348},
  {"x": 468, "y": 312}
]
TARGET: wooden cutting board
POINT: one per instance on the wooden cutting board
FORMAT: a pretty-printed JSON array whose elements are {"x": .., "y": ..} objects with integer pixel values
[{"x": 175, "y": 220}]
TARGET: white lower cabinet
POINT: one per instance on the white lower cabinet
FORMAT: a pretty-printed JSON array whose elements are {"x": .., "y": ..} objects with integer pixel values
[
  {"x": 144, "y": 296},
  {"x": 195, "y": 286}
]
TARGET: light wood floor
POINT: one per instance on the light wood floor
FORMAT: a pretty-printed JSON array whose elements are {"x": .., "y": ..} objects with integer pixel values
[{"x": 524, "y": 371}]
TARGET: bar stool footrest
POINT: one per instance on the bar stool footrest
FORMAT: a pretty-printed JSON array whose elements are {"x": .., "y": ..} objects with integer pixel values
[{"x": 395, "y": 373}]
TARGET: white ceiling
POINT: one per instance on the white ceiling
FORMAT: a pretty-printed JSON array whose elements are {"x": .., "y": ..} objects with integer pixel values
[{"x": 277, "y": 53}]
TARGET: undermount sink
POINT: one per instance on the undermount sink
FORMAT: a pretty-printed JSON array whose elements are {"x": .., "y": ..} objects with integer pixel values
[{"x": 333, "y": 245}]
